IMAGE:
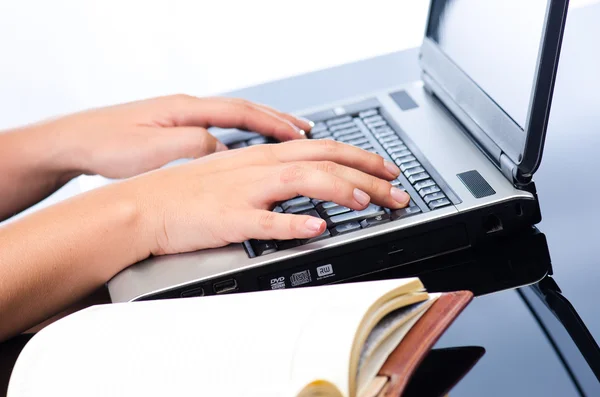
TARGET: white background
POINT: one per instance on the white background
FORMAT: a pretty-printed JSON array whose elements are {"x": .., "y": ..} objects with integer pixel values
[{"x": 64, "y": 55}]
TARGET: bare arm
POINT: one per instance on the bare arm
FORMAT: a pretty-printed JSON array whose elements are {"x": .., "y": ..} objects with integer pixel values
[
  {"x": 59, "y": 255},
  {"x": 31, "y": 169},
  {"x": 54, "y": 257},
  {"x": 122, "y": 141}
]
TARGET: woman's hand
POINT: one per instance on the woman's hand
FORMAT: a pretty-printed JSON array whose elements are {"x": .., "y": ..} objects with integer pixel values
[
  {"x": 227, "y": 197},
  {"x": 125, "y": 140},
  {"x": 58, "y": 255}
]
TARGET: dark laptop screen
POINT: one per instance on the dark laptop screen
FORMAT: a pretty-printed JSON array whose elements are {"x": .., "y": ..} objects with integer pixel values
[{"x": 496, "y": 43}]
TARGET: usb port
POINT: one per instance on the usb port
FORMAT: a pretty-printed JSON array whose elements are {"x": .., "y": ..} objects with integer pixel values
[
  {"x": 199, "y": 291},
  {"x": 225, "y": 286}
]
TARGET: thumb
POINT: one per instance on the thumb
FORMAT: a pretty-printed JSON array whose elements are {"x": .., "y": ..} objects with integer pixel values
[{"x": 191, "y": 142}]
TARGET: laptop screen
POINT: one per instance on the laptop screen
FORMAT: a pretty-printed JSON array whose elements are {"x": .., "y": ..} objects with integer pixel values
[{"x": 496, "y": 43}]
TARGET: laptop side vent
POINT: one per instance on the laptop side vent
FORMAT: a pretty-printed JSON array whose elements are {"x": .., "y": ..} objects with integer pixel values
[{"x": 476, "y": 184}]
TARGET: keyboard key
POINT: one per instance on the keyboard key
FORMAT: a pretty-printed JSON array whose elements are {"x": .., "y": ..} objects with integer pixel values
[
  {"x": 300, "y": 208},
  {"x": 325, "y": 206},
  {"x": 404, "y": 212},
  {"x": 418, "y": 177},
  {"x": 278, "y": 209},
  {"x": 424, "y": 184},
  {"x": 386, "y": 134},
  {"x": 339, "y": 120},
  {"x": 429, "y": 190},
  {"x": 343, "y": 126},
  {"x": 336, "y": 211},
  {"x": 263, "y": 247},
  {"x": 405, "y": 159},
  {"x": 434, "y": 196},
  {"x": 285, "y": 244},
  {"x": 323, "y": 235},
  {"x": 400, "y": 154},
  {"x": 367, "y": 113},
  {"x": 389, "y": 138},
  {"x": 321, "y": 135},
  {"x": 345, "y": 228},
  {"x": 396, "y": 183},
  {"x": 319, "y": 127},
  {"x": 439, "y": 203},
  {"x": 366, "y": 146},
  {"x": 372, "y": 119},
  {"x": 316, "y": 201},
  {"x": 383, "y": 130},
  {"x": 376, "y": 124},
  {"x": 412, "y": 171},
  {"x": 409, "y": 165},
  {"x": 396, "y": 149},
  {"x": 359, "y": 141},
  {"x": 370, "y": 211},
  {"x": 376, "y": 220},
  {"x": 390, "y": 145},
  {"x": 238, "y": 145},
  {"x": 259, "y": 140},
  {"x": 347, "y": 138},
  {"x": 294, "y": 202},
  {"x": 347, "y": 131}
]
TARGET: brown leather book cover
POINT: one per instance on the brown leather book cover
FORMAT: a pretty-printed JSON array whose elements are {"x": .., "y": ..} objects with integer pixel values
[{"x": 417, "y": 344}]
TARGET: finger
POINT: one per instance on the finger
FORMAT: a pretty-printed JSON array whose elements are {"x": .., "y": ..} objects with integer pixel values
[
  {"x": 228, "y": 113},
  {"x": 267, "y": 225},
  {"x": 300, "y": 122},
  {"x": 290, "y": 180},
  {"x": 341, "y": 153},
  {"x": 380, "y": 191},
  {"x": 186, "y": 142}
]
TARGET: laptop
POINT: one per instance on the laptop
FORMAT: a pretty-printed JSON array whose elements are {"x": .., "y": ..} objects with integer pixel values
[{"x": 467, "y": 137}]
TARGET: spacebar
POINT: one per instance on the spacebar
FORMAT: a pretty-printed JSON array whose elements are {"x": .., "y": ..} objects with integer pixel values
[{"x": 371, "y": 211}]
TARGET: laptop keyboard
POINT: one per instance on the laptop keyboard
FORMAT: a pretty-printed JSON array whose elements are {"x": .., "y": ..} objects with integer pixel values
[{"x": 367, "y": 130}]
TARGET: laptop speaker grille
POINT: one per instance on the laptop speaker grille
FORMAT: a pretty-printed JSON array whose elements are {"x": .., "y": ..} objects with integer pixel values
[{"x": 476, "y": 184}]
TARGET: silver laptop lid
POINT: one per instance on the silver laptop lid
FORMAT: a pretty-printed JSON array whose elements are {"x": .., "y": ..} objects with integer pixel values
[{"x": 493, "y": 64}]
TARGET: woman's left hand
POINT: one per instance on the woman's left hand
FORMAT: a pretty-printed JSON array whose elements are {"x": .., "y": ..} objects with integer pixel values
[{"x": 125, "y": 140}]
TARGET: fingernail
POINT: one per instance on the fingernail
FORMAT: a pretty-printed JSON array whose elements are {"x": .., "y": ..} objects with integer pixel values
[
  {"x": 399, "y": 195},
  {"x": 361, "y": 197},
  {"x": 302, "y": 132},
  {"x": 221, "y": 147},
  {"x": 314, "y": 224},
  {"x": 307, "y": 121},
  {"x": 391, "y": 167}
]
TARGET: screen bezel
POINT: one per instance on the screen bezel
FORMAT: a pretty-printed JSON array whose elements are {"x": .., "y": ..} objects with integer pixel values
[{"x": 524, "y": 146}]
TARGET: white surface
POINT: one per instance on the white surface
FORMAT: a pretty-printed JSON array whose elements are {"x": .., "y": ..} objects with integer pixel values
[{"x": 269, "y": 343}]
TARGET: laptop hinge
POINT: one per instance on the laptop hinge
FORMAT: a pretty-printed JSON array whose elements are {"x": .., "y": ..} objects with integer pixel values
[
  {"x": 472, "y": 129},
  {"x": 508, "y": 168}
]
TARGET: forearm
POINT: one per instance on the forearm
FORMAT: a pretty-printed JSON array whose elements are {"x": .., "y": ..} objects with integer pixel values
[
  {"x": 34, "y": 162},
  {"x": 56, "y": 256}
]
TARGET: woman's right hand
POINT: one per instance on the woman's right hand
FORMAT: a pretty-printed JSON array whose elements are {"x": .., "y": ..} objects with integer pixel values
[{"x": 228, "y": 196}]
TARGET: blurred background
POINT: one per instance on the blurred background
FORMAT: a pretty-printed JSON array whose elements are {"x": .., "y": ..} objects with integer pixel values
[{"x": 63, "y": 55}]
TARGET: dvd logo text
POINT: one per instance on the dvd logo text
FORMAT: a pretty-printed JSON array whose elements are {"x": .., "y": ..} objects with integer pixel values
[{"x": 277, "y": 280}]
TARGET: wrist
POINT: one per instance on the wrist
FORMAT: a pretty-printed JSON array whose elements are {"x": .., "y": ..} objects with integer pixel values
[{"x": 54, "y": 150}]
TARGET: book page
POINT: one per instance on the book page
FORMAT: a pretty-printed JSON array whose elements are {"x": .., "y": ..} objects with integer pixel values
[
  {"x": 230, "y": 345},
  {"x": 385, "y": 337},
  {"x": 332, "y": 335}
]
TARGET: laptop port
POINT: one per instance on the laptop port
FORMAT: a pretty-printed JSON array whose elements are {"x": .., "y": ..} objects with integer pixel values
[
  {"x": 519, "y": 209},
  {"x": 199, "y": 291},
  {"x": 225, "y": 286},
  {"x": 492, "y": 224}
]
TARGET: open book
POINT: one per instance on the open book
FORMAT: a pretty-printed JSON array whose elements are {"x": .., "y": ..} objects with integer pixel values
[{"x": 334, "y": 340}]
